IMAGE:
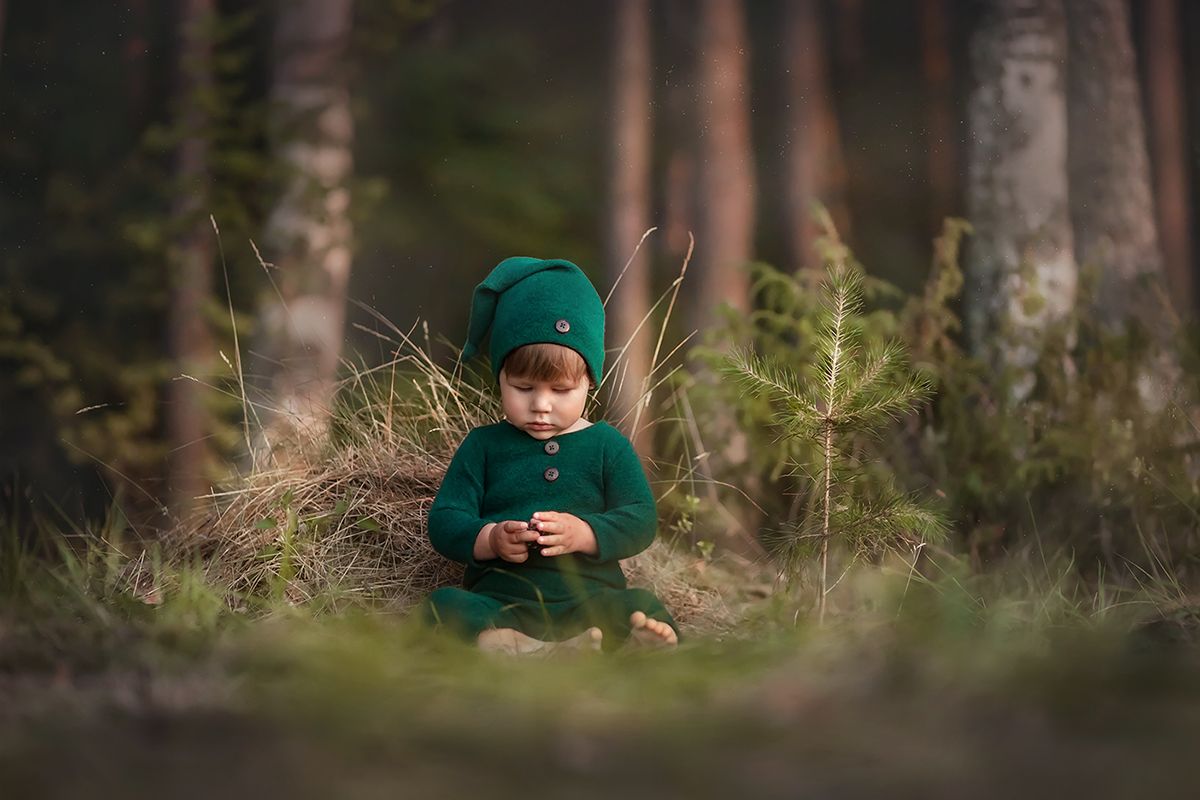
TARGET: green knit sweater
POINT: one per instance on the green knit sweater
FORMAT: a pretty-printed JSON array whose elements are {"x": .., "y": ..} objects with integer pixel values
[{"x": 500, "y": 472}]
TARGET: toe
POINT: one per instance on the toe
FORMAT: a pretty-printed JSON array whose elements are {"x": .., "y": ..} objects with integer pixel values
[
  {"x": 637, "y": 619},
  {"x": 663, "y": 629}
]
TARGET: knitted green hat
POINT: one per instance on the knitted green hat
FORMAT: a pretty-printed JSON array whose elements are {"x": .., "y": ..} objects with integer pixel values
[{"x": 533, "y": 301}]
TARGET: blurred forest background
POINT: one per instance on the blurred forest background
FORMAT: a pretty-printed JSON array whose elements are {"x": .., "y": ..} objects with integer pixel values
[{"x": 381, "y": 156}]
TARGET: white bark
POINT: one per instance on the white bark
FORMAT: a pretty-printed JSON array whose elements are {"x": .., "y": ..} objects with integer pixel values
[
  {"x": 1021, "y": 269},
  {"x": 308, "y": 234},
  {"x": 1113, "y": 205}
]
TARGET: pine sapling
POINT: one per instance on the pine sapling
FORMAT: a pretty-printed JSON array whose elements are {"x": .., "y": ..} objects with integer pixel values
[{"x": 860, "y": 389}]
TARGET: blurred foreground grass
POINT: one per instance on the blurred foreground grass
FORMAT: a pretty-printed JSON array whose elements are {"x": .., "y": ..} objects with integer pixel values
[{"x": 940, "y": 686}]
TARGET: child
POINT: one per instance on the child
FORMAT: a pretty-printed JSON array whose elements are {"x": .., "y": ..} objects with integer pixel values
[{"x": 541, "y": 506}]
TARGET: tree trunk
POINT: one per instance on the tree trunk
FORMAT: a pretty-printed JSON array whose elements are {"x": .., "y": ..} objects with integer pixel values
[
  {"x": 815, "y": 171},
  {"x": 187, "y": 419},
  {"x": 627, "y": 216},
  {"x": 1113, "y": 207},
  {"x": 308, "y": 233},
  {"x": 851, "y": 48},
  {"x": 725, "y": 237},
  {"x": 679, "y": 193},
  {"x": 726, "y": 173},
  {"x": 1020, "y": 269},
  {"x": 135, "y": 54},
  {"x": 1168, "y": 147},
  {"x": 940, "y": 132},
  {"x": 3, "y": 9}
]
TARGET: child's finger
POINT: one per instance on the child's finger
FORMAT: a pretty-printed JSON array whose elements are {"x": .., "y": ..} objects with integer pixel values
[
  {"x": 550, "y": 541},
  {"x": 549, "y": 526},
  {"x": 554, "y": 551}
]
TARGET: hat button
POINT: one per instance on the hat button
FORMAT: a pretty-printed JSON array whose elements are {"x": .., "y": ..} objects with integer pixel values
[
  {"x": 562, "y": 326},
  {"x": 551, "y": 448},
  {"x": 551, "y": 474}
]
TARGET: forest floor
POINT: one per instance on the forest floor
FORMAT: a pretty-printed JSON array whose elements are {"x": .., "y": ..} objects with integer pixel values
[{"x": 363, "y": 705}]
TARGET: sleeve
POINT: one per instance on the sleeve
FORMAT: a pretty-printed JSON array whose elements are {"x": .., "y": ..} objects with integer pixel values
[
  {"x": 630, "y": 519},
  {"x": 454, "y": 520}
]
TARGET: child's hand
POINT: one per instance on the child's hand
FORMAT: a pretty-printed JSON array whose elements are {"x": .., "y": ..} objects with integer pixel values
[
  {"x": 563, "y": 533},
  {"x": 510, "y": 540}
]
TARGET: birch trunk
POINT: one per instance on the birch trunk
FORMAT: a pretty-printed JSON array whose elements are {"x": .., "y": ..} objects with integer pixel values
[
  {"x": 726, "y": 172},
  {"x": 1169, "y": 147},
  {"x": 1020, "y": 268},
  {"x": 189, "y": 340},
  {"x": 815, "y": 171},
  {"x": 1113, "y": 207},
  {"x": 308, "y": 233},
  {"x": 627, "y": 217}
]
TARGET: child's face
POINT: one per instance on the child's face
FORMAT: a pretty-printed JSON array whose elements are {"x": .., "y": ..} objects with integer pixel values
[{"x": 542, "y": 409}]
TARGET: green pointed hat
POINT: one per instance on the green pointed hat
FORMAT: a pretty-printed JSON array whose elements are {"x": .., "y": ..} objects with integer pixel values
[{"x": 533, "y": 301}]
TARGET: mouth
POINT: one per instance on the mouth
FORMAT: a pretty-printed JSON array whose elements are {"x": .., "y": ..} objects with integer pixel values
[{"x": 540, "y": 426}]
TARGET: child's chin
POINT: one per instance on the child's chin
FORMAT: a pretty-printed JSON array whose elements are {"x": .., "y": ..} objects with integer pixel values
[{"x": 540, "y": 433}]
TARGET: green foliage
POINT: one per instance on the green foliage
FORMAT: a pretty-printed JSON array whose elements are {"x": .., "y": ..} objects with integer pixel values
[
  {"x": 1081, "y": 467},
  {"x": 856, "y": 390},
  {"x": 93, "y": 235},
  {"x": 783, "y": 330}
]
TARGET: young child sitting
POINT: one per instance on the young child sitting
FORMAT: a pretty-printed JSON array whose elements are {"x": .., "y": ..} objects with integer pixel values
[{"x": 541, "y": 506}]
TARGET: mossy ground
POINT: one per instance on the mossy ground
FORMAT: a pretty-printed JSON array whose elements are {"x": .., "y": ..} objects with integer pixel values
[{"x": 927, "y": 687}]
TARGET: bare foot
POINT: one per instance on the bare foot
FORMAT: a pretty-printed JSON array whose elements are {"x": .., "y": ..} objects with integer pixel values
[
  {"x": 586, "y": 642},
  {"x": 648, "y": 632},
  {"x": 512, "y": 642}
]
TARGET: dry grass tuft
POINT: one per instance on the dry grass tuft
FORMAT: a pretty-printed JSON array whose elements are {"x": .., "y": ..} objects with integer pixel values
[
  {"x": 686, "y": 585},
  {"x": 351, "y": 527}
]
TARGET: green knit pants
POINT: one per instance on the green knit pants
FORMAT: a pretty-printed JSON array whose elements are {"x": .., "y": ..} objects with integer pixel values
[{"x": 467, "y": 614}]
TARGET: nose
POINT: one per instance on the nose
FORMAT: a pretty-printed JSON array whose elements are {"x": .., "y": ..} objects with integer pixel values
[{"x": 540, "y": 401}]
